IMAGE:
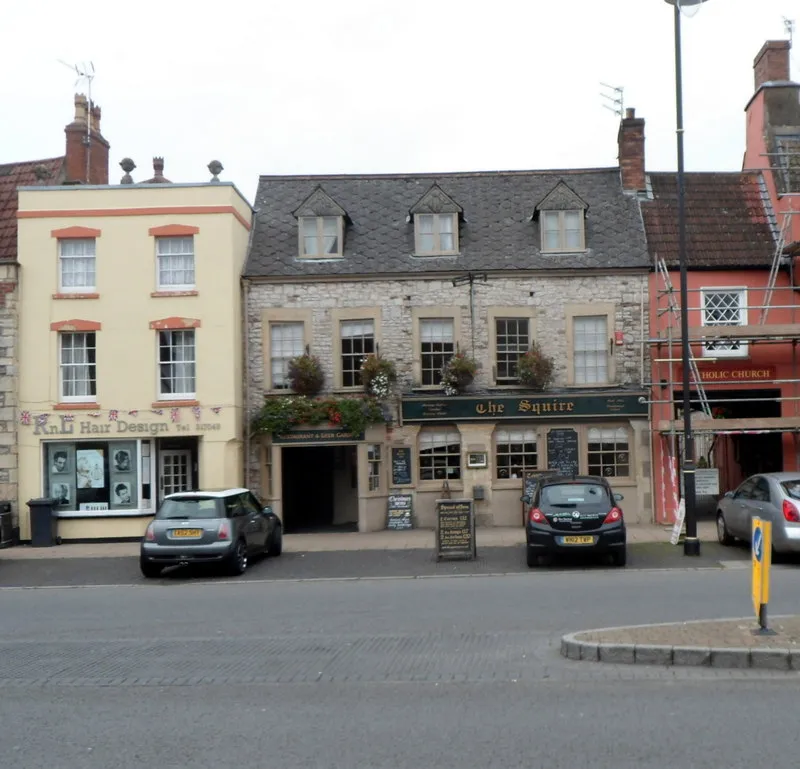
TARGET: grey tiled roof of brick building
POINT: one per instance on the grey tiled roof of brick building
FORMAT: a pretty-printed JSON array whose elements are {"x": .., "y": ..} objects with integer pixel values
[{"x": 495, "y": 233}]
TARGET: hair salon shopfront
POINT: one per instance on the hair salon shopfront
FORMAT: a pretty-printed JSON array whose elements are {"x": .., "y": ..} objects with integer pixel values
[
  {"x": 482, "y": 448},
  {"x": 109, "y": 470}
]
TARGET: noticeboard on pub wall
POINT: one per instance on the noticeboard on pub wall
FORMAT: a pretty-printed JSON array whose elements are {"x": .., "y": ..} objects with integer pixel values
[
  {"x": 455, "y": 529},
  {"x": 401, "y": 466}
]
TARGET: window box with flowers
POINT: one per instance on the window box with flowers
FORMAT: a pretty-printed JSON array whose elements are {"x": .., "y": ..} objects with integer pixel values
[
  {"x": 305, "y": 375},
  {"x": 280, "y": 415},
  {"x": 535, "y": 369},
  {"x": 378, "y": 375},
  {"x": 458, "y": 373}
]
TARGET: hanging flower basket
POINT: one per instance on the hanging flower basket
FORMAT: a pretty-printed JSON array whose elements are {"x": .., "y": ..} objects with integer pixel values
[
  {"x": 535, "y": 369},
  {"x": 306, "y": 376},
  {"x": 378, "y": 375},
  {"x": 458, "y": 373},
  {"x": 279, "y": 415}
]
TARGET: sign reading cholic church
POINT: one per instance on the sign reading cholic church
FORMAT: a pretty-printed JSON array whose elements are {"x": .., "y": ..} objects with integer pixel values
[{"x": 66, "y": 426}]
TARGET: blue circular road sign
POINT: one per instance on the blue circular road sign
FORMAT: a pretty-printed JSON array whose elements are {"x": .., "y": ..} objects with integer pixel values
[{"x": 758, "y": 544}]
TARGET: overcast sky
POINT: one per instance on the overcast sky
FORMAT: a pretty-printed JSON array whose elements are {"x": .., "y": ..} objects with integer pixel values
[{"x": 359, "y": 86}]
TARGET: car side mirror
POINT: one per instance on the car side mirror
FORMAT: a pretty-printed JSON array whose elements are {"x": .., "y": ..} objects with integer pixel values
[
  {"x": 267, "y": 510},
  {"x": 618, "y": 497},
  {"x": 526, "y": 499},
  {"x": 728, "y": 494}
]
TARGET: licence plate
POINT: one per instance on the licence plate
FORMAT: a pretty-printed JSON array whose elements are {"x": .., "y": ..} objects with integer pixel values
[
  {"x": 187, "y": 533},
  {"x": 577, "y": 540}
]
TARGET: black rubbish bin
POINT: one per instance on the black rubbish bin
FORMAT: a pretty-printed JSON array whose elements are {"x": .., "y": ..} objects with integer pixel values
[{"x": 44, "y": 523}]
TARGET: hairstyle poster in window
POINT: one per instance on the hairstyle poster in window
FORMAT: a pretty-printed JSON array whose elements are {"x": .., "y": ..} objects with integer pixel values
[
  {"x": 90, "y": 468},
  {"x": 122, "y": 493},
  {"x": 60, "y": 462},
  {"x": 122, "y": 460},
  {"x": 61, "y": 492}
]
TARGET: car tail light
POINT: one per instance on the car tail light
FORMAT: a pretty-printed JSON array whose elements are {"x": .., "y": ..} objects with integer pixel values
[
  {"x": 149, "y": 534},
  {"x": 790, "y": 512},
  {"x": 536, "y": 516},
  {"x": 224, "y": 531},
  {"x": 614, "y": 515}
]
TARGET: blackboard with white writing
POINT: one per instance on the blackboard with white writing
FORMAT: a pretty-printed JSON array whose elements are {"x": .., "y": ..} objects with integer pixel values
[
  {"x": 401, "y": 466},
  {"x": 562, "y": 451}
]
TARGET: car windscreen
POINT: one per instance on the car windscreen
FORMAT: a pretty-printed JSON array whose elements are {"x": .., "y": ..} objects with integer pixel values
[
  {"x": 589, "y": 497},
  {"x": 190, "y": 508},
  {"x": 791, "y": 488}
]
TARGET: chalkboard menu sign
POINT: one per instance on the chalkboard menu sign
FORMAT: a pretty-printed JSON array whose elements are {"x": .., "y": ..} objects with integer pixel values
[
  {"x": 401, "y": 466},
  {"x": 455, "y": 529},
  {"x": 399, "y": 514},
  {"x": 562, "y": 451}
]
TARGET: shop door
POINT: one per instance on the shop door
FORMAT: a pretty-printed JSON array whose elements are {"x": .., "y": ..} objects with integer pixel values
[{"x": 174, "y": 472}]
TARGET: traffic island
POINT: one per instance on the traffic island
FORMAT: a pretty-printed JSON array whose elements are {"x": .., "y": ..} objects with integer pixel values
[{"x": 729, "y": 643}]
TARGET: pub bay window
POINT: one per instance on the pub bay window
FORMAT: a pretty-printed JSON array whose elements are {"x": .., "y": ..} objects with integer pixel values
[
  {"x": 436, "y": 234},
  {"x": 512, "y": 341},
  {"x": 608, "y": 452},
  {"x": 726, "y": 307},
  {"x": 516, "y": 452},
  {"x": 286, "y": 342},
  {"x": 77, "y": 367},
  {"x": 321, "y": 236},
  {"x": 176, "y": 349},
  {"x": 440, "y": 455},
  {"x": 590, "y": 349},
  {"x": 437, "y": 346},
  {"x": 77, "y": 266},
  {"x": 175, "y": 258},
  {"x": 358, "y": 341}
]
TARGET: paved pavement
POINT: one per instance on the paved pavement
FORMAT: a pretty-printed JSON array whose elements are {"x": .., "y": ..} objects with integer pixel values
[
  {"x": 380, "y": 673},
  {"x": 415, "y": 539}
]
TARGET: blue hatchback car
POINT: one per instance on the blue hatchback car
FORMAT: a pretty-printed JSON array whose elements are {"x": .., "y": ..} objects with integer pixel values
[{"x": 575, "y": 515}]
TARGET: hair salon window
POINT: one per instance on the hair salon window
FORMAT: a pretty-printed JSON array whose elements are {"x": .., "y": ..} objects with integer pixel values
[
  {"x": 96, "y": 477},
  {"x": 609, "y": 452},
  {"x": 77, "y": 367},
  {"x": 175, "y": 263},
  {"x": 516, "y": 452},
  {"x": 439, "y": 455},
  {"x": 176, "y": 355}
]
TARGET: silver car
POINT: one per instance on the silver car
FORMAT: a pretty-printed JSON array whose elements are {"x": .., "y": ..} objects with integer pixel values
[
  {"x": 223, "y": 527},
  {"x": 773, "y": 497}
]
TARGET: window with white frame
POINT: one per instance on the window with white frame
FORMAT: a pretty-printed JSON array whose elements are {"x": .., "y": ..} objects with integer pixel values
[
  {"x": 590, "y": 349},
  {"x": 321, "y": 236},
  {"x": 562, "y": 231},
  {"x": 437, "y": 346},
  {"x": 77, "y": 265},
  {"x": 358, "y": 341},
  {"x": 725, "y": 307},
  {"x": 176, "y": 355},
  {"x": 374, "y": 460},
  {"x": 439, "y": 455},
  {"x": 515, "y": 452},
  {"x": 77, "y": 366},
  {"x": 175, "y": 256},
  {"x": 286, "y": 341},
  {"x": 512, "y": 341},
  {"x": 436, "y": 234},
  {"x": 609, "y": 452}
]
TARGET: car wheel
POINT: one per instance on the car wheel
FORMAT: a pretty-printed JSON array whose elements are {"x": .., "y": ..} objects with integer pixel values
[
  {"x": 531, "y": 558},
  {"x": 276, "y": 546},
  {"x": 722, "y": 530},
  {"x": 620, "y": 558},
  {"x": 237, "y": 564},
  {"x": 149, "y": 570}
]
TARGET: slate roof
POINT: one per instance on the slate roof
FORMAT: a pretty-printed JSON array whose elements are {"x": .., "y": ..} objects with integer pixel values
[
  {"x": 728, "y": 220},
  {"x": 495, "y": 233},
  {"x": 13, "y": 175}
]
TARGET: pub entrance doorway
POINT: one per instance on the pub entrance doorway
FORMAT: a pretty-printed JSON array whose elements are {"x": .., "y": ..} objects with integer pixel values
[{"x": 319, "y": 488}]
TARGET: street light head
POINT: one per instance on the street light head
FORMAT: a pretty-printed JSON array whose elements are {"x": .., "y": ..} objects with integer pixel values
[{"x": 685, "y": 3}]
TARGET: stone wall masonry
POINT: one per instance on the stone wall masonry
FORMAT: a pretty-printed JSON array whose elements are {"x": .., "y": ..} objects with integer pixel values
[
  {"x": 547, "y": 295},
  {"x": 9, "y": 326}
]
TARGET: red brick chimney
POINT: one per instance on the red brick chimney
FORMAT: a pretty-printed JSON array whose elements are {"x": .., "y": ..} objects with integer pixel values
[
  {"x": 772, "y": 62},
  {"x": 87, "y": 151},
  {"x": 631, "y": 151}
]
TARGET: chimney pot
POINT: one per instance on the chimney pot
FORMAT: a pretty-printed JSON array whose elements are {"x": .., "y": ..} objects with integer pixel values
[
  {"x": 772, "y": 62},
  {"x": 630, "y": 112}
]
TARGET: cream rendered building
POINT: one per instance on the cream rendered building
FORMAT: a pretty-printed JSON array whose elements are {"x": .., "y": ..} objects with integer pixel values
[{"x": 130, "y": 365}]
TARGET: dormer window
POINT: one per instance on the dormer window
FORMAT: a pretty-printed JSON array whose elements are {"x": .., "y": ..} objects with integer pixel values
[
  {"x": 436, "y": 234},
  {"x": 321, "y": 236},
  {"x": 562, "y": 231}
]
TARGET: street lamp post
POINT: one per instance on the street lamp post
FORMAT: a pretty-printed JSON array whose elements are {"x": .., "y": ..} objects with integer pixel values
[{"x": 691, "y": 545}]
